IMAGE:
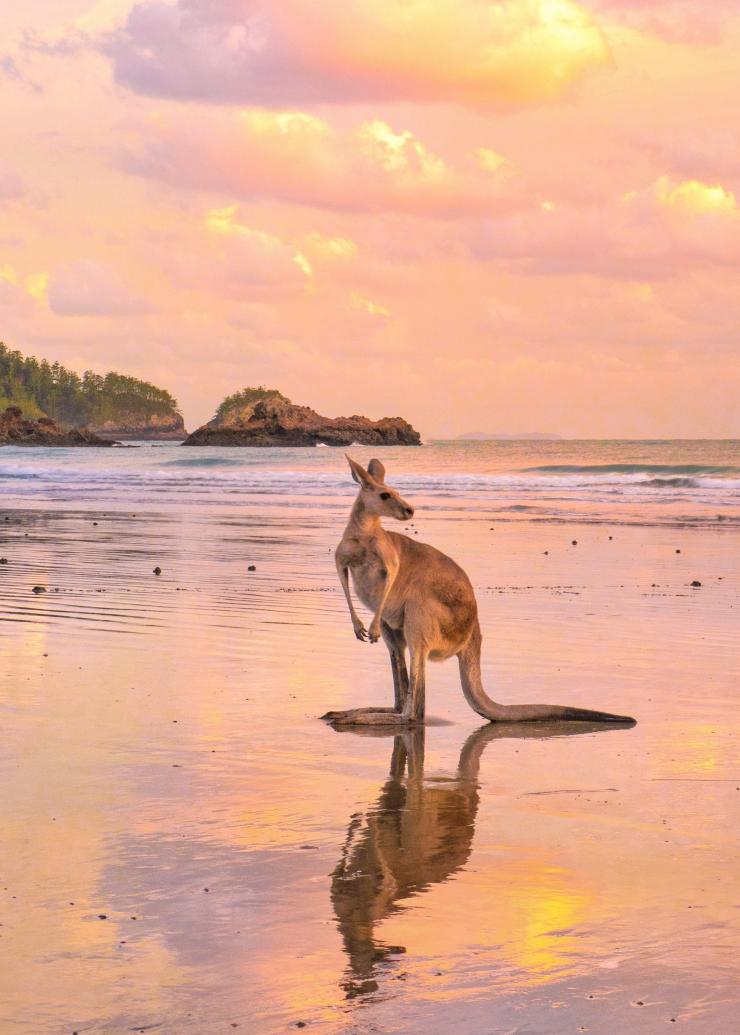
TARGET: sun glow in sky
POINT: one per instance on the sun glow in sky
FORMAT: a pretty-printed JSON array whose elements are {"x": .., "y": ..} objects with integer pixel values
[{"x": 512, "y": 216}]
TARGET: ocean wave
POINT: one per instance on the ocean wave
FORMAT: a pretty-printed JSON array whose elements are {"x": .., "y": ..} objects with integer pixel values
[
  {"x": 204, "y": 461},
  {"x": 19, "y": 473},
  {"x": 643, "y": 469},
  {"x": 677, "y": 483},
  {"x": 239, "y": 473}
]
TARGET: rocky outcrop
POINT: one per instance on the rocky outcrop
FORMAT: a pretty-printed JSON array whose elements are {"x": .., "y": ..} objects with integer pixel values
[
  {"x": 17, "y": 430},
  {"x": 156, "y": 427},
  {"x": 277, "y": 422}
]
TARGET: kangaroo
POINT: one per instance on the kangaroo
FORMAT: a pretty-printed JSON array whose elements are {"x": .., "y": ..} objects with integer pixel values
[{"x": 422, "y": 600}]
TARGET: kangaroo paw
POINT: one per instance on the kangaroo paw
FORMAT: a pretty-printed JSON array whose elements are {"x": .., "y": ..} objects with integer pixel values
[{"x": 367, "y": 717}]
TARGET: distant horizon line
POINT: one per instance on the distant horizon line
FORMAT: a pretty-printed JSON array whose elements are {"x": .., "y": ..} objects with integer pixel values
[{"x": 580, "y": 438}]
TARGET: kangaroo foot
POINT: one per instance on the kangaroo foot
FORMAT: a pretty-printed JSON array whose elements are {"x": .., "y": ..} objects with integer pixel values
[{"x": 368, "y": 717}]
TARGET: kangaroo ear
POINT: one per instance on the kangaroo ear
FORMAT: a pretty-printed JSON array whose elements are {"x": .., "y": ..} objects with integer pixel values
[
  {"x": 376, "y": 470},
  {"x": 359, "y": 473}
]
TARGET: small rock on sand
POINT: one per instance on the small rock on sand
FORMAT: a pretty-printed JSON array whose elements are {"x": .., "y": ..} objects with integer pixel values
[
  {"x": 39, "y": 589},
  {"x": 252, "y": 567},
  {"x": 696, "y": 583},
  {"x": 157, "y": 570}
]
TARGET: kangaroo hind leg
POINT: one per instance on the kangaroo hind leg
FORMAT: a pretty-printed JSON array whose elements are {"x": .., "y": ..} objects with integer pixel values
[{"x": 396, "y": 644}]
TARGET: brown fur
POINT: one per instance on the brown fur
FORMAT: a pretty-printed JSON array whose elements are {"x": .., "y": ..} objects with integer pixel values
[{"x": 422, "y": 600}]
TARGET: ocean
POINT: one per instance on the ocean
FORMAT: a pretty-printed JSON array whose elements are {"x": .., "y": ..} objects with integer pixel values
[{"x": 615, "y": 482}]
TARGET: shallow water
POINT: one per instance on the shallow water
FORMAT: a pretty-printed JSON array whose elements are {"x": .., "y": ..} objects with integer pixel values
[{"x": 160, "y": 738}]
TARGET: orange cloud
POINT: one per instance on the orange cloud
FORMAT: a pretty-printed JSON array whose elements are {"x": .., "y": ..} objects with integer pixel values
[{"x": 479, "y": 54}]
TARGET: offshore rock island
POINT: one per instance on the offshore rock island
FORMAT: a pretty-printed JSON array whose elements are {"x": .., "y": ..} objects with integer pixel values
[
  {"x": 17, "y": 430},
  {"x": 264, "y": 417}
]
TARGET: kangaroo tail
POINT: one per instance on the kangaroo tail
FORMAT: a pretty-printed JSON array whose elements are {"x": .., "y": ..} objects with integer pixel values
[{"x": 480, "y": 702}]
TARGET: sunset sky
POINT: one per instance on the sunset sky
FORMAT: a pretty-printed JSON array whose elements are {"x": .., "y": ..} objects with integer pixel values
[{"x": 512, "y": 216}]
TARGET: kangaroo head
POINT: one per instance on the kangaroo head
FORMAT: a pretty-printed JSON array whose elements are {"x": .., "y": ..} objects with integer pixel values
[{"x": 377, "y": 497}]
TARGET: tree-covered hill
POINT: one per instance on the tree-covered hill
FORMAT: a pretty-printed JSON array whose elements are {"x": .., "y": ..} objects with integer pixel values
[
  {"x": 47, "y": 389},
  {"x": 246, "y": 400}
]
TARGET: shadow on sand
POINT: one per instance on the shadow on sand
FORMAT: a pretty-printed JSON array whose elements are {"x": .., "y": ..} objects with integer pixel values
[{"x": 418, "y": 833}]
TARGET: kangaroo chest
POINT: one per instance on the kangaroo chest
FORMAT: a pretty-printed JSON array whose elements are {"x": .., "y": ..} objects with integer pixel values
[{"x": 368, "y": 571}]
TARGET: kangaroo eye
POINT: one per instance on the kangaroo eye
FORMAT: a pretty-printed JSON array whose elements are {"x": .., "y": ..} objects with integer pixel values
[{"x": 385, "y": 495}]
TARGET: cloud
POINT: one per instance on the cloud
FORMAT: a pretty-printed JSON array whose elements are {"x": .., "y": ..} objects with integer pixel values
[
  {"x": 300, "y": 158},
  {"x": 11, "y": 185},
  {"x": 257, "y": 52},
  {"x": 711, "y": 153},
  {"x": 676, "y": 21},
  {"x": 663, "y": 230},
  {"x": 88, "y": 288},
  {"x": 9, "y": 68},
  {"x": 242, "y": 256}
]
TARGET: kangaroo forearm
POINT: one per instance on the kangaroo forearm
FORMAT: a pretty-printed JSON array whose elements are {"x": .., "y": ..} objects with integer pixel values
[{"x": 344, "y": 579}]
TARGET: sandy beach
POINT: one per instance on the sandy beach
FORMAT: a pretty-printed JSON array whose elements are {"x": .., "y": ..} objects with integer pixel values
[{"x": 187, "y": 848}]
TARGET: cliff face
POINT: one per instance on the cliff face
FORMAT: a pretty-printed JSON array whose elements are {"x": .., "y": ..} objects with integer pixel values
[
  {"x": 277, "y": 422},
  {"x": 137, "y": 426},
  {"x": 16, "y": 430}
]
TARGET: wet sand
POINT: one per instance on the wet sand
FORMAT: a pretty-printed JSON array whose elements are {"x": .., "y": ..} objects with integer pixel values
[{"x": 187, "y": 849}]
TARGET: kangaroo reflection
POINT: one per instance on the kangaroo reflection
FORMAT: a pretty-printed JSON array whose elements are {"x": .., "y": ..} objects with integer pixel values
[{"x": 419, "y": 832}]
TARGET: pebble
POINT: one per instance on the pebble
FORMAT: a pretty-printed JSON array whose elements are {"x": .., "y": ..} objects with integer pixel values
[
  {"x": 696, "y": 583},
  {"x": 39, "y": 589},
  {"x": 252, "y": 567},
  {"x": 157, "y": 570},
  {"x": 3, "y": 560},
  {"x": 678, "y": 551},
  {"x": 574, "y": 543}
]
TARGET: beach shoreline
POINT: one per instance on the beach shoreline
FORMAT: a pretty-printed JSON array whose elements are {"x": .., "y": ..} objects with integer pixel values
[{"x": 163, "y": 760}]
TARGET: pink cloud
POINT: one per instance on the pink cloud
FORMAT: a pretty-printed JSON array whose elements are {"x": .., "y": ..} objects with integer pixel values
[
  {"x": 11, "y": 185},
  {"x": 259, "y": 52},
  {"x": 302, "y": 159},
  {"x": 88, "y": 288},
  {"x": 677, "y": 21},
  {"x": 235, "y": 259},
  {"x": 708, "y": 153},
  {"x": 655, "y": 233}
]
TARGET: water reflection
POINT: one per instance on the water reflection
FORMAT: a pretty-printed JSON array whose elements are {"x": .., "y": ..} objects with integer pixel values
[{"x": 418, "y": 833}]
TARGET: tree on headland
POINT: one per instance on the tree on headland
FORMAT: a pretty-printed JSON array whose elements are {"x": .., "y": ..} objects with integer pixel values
[
  {"x": 48, "y": 389},
  {"x": 247, "y": 397}
]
